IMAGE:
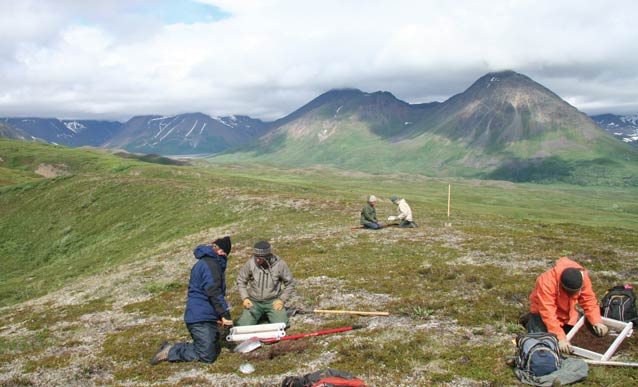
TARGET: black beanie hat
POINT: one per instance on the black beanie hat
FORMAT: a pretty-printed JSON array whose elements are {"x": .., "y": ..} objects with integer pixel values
[
  {"x": 224, "y": 244},
  {"x": 571, "y": 279},
  {"x": 262, "y": 249}
]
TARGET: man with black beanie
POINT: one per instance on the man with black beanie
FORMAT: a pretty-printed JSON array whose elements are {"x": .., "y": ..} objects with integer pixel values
[
  {"x": 553, "y": 301},
  {"x": 206, "y": 307}
]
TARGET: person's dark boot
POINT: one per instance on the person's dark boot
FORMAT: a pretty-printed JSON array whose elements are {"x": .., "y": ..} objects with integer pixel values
[
  {"x": 162, "y": 353},
  {"x": 524, "y": 319}
]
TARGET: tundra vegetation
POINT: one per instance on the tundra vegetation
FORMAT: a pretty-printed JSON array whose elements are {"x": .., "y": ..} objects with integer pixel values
[{"x": 96, "y": 257}]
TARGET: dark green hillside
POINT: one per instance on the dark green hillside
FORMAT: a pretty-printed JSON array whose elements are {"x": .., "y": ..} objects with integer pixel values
[
  {"x": 95, "y": 264},
  {"x": 102, "y": 211}
]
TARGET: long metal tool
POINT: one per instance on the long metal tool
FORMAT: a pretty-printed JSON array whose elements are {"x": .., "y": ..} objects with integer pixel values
[
  {"x": 255, "y": 342},
  {"x": 361, "y": 313}
]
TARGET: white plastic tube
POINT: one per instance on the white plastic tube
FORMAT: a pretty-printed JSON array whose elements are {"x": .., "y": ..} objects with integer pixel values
[
  {"x": 258, "y": 328},
  {"x": 260, "y": 335},
  {"x": 262, "y": 331}
]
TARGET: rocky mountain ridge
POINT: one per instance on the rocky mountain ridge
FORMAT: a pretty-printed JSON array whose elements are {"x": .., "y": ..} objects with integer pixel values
[
  {"x": 166, "y": 135},
  {"x": 623, "y": 127}
]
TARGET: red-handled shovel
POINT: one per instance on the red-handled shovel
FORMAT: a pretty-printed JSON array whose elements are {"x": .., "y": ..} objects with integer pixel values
[{"x": 255, "y": 342}]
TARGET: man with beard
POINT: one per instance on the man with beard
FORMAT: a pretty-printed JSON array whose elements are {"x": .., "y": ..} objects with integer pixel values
[{"x": 265, "y": 283}]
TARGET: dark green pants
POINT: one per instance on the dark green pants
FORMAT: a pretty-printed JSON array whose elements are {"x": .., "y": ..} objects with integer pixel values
[
  {"x": 259, "y": 310},
  {"x": 536, "y": 324}
]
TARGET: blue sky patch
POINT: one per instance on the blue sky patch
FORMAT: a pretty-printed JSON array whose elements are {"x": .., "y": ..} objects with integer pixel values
[{"x": 184, "y": 11}]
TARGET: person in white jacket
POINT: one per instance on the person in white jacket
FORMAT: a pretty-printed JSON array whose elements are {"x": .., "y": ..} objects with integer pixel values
[{"x": 405, "y": 213}]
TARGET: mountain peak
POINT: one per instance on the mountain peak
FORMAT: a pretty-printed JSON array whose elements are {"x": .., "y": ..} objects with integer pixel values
[
  {"x": 504, "y": 79},
  {"x": 339, "y": 94},
  {"x": 505, "y": 74}
]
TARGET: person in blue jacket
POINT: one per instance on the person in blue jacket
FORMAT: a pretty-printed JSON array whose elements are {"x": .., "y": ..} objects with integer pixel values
[{"x": 206, "y": 307}]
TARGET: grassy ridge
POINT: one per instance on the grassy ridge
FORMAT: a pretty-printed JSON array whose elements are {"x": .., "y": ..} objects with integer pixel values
[
  {"x": 107, "y": 211},
  {"x": 116, "y": 235}
]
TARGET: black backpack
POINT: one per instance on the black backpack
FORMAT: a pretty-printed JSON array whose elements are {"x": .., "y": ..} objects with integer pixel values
[
  {"x": 619, "y": 303},
  {"x": 328, "y": 377},
  {"x": 538, "y": 354}
]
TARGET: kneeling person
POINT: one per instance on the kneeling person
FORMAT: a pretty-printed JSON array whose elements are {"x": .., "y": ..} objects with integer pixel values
[
  {"x": 265, "y": 283},
  {"x": 553, "y": 301},
  {"x": 405, "y": 213},
  {"x": 206, "y": 307}
]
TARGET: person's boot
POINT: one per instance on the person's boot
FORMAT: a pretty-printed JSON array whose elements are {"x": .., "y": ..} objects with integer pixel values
[
  {"x": 162, "y": 353},
  {"x": 524, "y": 319}
]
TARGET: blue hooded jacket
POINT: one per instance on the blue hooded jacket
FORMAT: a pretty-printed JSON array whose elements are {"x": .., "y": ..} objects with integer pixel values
[{"x": 207, "y": 287}]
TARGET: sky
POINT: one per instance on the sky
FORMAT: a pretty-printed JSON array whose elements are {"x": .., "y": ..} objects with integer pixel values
[{"x": 115, "y": 59}]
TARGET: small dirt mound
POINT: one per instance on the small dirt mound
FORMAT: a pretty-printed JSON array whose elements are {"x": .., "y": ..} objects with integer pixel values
[{"x": 52, "y": 170}]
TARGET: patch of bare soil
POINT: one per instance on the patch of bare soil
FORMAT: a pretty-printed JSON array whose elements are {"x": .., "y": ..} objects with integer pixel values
[
  {"x": 52, "y": 170},
  {"x": 586, "y": 339}
]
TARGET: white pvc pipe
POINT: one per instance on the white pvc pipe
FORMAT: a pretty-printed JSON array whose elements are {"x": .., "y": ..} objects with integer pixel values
[
  {"x": 260, "y": 335},
  {"x": 258, "y": 328},
  {"x": 625, "y": 331},
  {"x": 610, "y": 363}
]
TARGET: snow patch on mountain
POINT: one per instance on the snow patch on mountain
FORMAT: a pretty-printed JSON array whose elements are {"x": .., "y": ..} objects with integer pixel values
[
  {"x": 167, "y": 133},
  {"x": 632, "y": 120},
  {"x": 74, "y": 126},
  {"x": 223, "y": 122},
  {"x": 624, "y": 127},
  {"x": 191, "y": 130},
  {"x": 160, "y": 118}
]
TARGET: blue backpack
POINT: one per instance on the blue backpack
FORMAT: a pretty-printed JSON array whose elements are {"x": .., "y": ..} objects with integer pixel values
[
  {"x": 619, "y": 303},
  {"x": 538, "y": 353}
]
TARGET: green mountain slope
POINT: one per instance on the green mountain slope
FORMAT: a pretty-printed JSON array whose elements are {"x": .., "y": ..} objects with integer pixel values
[{"x": 505, "y": 126}]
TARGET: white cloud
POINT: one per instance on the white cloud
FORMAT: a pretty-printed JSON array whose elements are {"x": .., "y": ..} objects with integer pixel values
[{"x": 106, "y": 59}]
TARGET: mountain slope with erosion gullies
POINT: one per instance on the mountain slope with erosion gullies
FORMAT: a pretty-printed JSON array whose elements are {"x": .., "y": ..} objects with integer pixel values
[
  {"x": 183, "y": 134},
  {"x": 74, "y": 133},
  {"x": 193, "y": 133},
  {"x": 505, "y": 126},
  {"x": 96, "y": 263},
  {"x": 11, "y": 132}
]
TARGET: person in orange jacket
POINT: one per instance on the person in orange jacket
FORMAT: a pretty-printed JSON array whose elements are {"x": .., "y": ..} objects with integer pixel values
[{"x": 553, "y": 301}]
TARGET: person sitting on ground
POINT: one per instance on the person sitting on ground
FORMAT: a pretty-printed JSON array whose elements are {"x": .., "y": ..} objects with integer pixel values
[
  {"x": 405, "y": 213},
  {"x": 369, "y": 214},
  {"x": 206, "y": 307},
  {"x": 265, "y": 283},
  {"x": 553, "y": 301}
]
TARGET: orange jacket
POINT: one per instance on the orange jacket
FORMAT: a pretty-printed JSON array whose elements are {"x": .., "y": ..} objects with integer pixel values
[{"x": 556, "y": 306}]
